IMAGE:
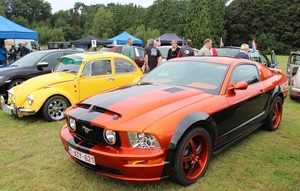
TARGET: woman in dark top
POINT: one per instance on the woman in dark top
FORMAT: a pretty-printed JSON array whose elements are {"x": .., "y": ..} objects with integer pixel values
[
  {"x": 12, "y": 54},
  {"x": 173, "y": 52}
]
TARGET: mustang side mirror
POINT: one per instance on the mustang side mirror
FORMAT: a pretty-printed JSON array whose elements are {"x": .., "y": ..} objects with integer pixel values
[{"x": 238, "y": 86}]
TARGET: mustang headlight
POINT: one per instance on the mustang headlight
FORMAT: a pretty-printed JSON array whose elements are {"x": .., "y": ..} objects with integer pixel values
[
  {"x": 72, "y": 124},
  {"x": 143, "y": 140},
  {"x": 110, "y": 136},
  {"x": 10, "y": 93},
  {"x": 29, "y": 99}
]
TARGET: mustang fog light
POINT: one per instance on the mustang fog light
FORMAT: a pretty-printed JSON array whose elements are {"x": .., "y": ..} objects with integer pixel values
[
  {"x": 143, "y": 140},
  {"x": 109, "y": 136},
  {"x": 10, "y": 93},
  {"x": 29, "y": 99},
  {"x": 72, "y": 124}
]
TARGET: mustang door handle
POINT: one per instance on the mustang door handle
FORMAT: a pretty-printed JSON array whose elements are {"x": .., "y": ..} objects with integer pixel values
[{"x": 111, "y": 79}]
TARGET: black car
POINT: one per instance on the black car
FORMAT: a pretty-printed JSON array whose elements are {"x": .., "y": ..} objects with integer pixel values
[
  {"x": 257, "y": 56},
  {"x": 31, "y": 65}
]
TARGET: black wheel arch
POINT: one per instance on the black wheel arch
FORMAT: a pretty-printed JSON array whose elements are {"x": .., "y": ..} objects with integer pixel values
[{"x": 188, "y": 122}]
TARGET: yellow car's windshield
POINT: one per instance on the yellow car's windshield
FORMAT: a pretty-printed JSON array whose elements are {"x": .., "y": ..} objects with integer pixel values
[{"x": 70, "y": 63}]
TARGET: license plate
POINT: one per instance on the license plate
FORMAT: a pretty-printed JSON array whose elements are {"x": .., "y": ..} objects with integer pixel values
[
  {"x": 6, "y": 109},
  {"x": 82, "y": 156}
]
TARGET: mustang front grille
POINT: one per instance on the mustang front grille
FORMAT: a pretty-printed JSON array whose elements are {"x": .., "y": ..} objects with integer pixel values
[{"x": 94, "y": 133}]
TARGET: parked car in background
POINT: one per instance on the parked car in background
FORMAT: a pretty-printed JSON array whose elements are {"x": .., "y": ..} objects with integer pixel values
[
  {"x": 76, "y": 77},
  {"x": 257, "y": 56},
  {"x": 292, "y": 64},
  {"x": 174, "y": 119},
  {"x": 295, "y": 85},
  {"x": 59, "y": 45},
  {"x": 139, "y": 52},
  {"x": 31, "y": 65}
]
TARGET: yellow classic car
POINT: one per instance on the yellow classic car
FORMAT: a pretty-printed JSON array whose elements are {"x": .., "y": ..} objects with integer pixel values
[{"x": 75, "y": 78}]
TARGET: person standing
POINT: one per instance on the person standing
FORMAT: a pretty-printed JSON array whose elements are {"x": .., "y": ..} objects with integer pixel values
[
  {"x": 12, "y": 54},
  {"x": 205, "y": 50},
  {"x": 243, "y": 52},
  {"x": 3, "y": 55},
  {"x": 23, "y": 50},
  {"x": 174, "y": 50},
  {"x": 187, "y": 50},
  {"x": 152, "y": 56},
  {"x": 128, "y": 50}
]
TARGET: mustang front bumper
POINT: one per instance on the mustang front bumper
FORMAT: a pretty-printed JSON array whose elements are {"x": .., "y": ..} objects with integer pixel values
[
  {"x": 18, "y": 111},
  {"x": 119, "y": 163}
]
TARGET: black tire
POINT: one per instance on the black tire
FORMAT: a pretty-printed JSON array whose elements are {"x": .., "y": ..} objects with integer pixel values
[
  {"x": 293, "y": 98},
  {"x": 54, "y": 108},
  {"x": 274, "y": 118},
  {"x": 15, "y": 83},
  {"x": 195, "y": 149}
]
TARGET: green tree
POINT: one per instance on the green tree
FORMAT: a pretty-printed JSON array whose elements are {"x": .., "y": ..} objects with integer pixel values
[
  {"x": 217, "y": 21},
  {"x": 103, "y": 24},
  {"x": 2, "y": 9},
  {"x": 198, "y": 24},
  {"x": 30, "y": 10}
]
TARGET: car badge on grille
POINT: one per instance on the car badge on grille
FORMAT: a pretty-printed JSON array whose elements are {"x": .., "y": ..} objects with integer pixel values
[{"x": 86, "y": 130}]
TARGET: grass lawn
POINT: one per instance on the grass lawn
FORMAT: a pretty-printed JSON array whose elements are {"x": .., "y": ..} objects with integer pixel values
[{"x": 32, "y": 158}]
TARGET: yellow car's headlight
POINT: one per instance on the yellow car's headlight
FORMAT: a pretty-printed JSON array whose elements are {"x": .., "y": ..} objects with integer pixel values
[
  {"x": 30, "y": 99},
  {"x": 10, "y": 93}
]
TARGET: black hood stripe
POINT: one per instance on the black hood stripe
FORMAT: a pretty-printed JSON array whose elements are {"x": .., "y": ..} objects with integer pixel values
[
  {"x": 76, "y": 113},
  {"x": 120, "y": 95}
]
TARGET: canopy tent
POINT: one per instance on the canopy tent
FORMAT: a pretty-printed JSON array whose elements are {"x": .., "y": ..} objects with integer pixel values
[
  {"x": 167, "y": 38},
  {"x": 11, "y": 30},
  {"x": 122, "y": 39},
  {"x": 88, "y": 40}
]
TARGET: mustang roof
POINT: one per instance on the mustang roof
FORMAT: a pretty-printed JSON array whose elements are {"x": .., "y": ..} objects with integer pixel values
[{"x": 215, "y": 59}]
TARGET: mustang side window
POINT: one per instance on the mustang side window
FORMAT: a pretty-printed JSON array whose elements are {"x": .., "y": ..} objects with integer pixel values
[
  {"x": 123, "y": 66},
  {"x": 246, "y": 73}
]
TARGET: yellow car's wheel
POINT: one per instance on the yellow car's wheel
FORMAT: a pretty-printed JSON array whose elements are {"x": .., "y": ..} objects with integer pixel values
[{"x": 54, "y": 108}]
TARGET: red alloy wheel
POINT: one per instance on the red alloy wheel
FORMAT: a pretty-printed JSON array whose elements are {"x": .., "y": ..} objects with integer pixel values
[
  {"x": 277, "y": 114},
  {"x": 195, "y": 156}
]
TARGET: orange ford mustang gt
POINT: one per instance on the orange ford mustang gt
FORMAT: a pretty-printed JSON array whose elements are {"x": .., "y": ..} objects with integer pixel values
[{"x": 174, "y": 119}]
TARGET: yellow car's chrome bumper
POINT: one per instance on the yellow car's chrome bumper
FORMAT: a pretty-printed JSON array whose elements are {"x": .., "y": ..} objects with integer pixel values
[{"x": 18, "y": 111}]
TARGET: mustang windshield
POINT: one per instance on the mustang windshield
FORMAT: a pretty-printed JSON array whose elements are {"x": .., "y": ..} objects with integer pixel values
[
  {"x": 205, "y": 76},
  {"x": 71, "y": 64}
]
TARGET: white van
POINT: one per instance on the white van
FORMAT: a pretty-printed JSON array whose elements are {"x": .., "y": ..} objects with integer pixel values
[{"x": 32, "y": 45}]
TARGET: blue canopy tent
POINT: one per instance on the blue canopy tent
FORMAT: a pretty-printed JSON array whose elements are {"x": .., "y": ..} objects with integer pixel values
[
  {"x": 122, "y": 39},
  {"x": 11, "y": 30}
]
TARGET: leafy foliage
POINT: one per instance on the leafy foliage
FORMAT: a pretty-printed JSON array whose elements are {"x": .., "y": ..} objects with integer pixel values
[{"x": 273, "y": 23}]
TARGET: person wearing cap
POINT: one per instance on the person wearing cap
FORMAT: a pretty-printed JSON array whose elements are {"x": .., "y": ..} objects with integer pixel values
[
  {"x": 243, "y": 52},
  {"x": 23, "y": 50},
  {"x": 187, "y": 50},
  {"x": 3, "y": 53},
  {"x": 173, "y": 51}
]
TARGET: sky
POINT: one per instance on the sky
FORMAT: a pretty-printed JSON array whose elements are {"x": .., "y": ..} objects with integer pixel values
[{"x": 68, "y": 4}]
